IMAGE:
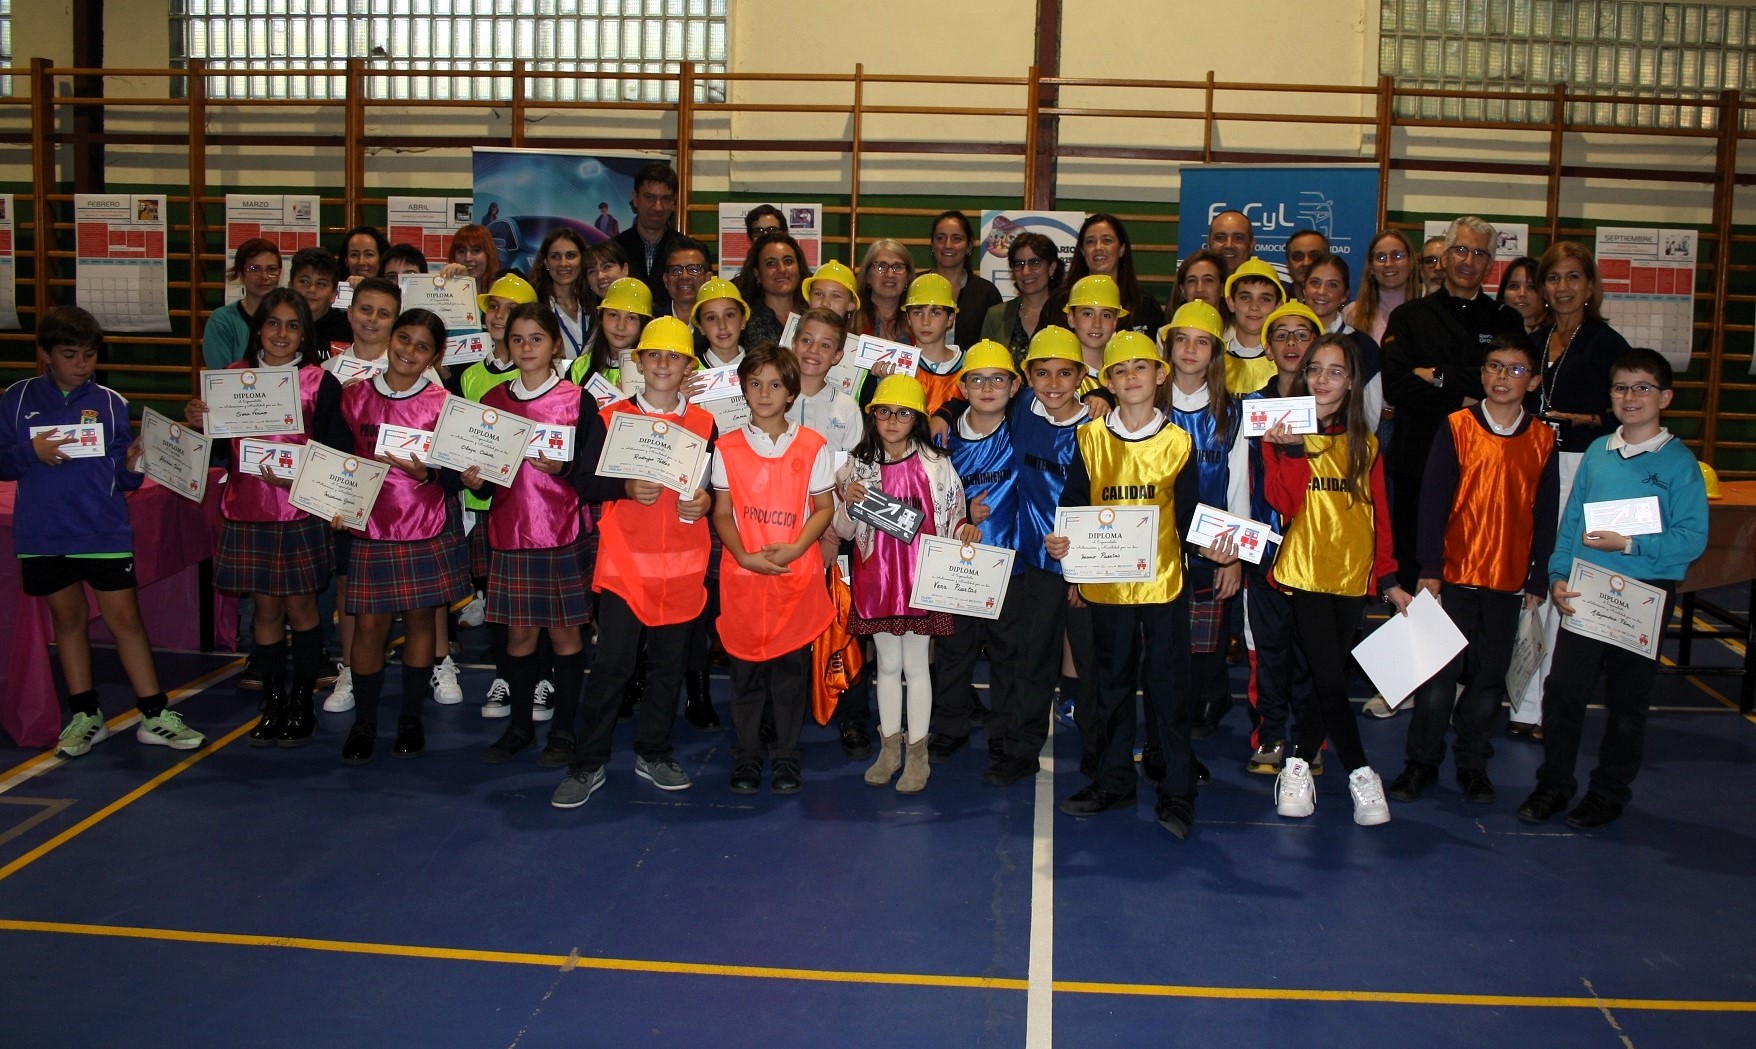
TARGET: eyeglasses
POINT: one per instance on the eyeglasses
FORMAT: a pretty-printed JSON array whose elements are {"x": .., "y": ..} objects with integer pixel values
[
  {"x": 1318, "y": 371},
  {"x": 694, "y": 269},
  {"x": 254, "y": 268},
  {"x": 1298, "y": 335},
  {"x": 890, "y": 267},
  {"x": 1396, "y": 256},
  {"x": 1639, "y": 389},
  {"x": 986, "y": 382},
  {"x": 1429, "y": 260},
  {"x": 1029, "y": 264},
  {"x": 1464, "y": 251},
  {"x": 886, "y": 413},
  {"x": 1517, "y": 371}
]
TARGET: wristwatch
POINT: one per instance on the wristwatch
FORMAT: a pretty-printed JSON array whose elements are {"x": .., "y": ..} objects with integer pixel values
[
  {"x": 1438, "y": 379},
  {"x": 1628, "y": 546}
]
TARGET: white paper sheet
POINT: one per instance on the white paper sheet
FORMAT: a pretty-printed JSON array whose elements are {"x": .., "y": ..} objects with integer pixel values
[{"x": 1403, "y": 654}]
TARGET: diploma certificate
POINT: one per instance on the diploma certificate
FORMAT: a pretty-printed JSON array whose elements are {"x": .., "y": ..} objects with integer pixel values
[
  {"x": 965, "y": 578},
  {"x": 174, "y": 455},
  {"x": 717, "y": 384},
  {"x": 348, "y": 368},
  {"x": 1625, "y": 516},
  {"x": 469, "y": 434},
  {"x": 1299, "y": 413},
  {"x": 1615, "y": 609},
  {"x": 1109, "y": 544},
  {"x": 603, "y": 391},
  {"x": 252, "y": 402},
  {"x": 467, "y": 348},
  {"x": 454, "y": 301},
  {"x": 87, "y": 443},
  {"x": 874, "y": 351},
  {"x": 281, "y": 460},
  {"x": 333, "y": 484},
  {"x": 644, "y": 448},
  {"x": 889, "y": 515}
]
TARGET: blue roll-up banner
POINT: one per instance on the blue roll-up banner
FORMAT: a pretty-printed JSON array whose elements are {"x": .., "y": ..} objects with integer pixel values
[{"x": 1339, "y": 201}]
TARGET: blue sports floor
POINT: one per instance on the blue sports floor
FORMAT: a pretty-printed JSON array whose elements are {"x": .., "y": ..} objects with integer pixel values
[{"x": 234, "y": 896}]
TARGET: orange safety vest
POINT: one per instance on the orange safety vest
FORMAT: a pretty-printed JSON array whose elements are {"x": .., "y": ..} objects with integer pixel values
[
  {"x": 836, "y": 659},
  {"x": 1491, "y": 528},
  {"x": 766, "y": 616},
  {"x": 646, "y": 555}
]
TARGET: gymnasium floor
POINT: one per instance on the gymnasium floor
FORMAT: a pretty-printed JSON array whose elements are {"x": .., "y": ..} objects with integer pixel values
[{"x": 246, "y": 897}]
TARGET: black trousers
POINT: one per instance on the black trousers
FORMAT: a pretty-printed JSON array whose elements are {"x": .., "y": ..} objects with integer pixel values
[
  {"x": 619, "y": 635},
  {"x": 1405, "y": 519},
  {"x": 785, "y": 679},
  {"x": 1021, "y": 690},
  {"x": 1327, "y": 624},
  {"x": 1573, "y": 677},
  {"x": 1489, "y": 620},
  {"x": 1154, "y": 638},
  {"x": 1283, "y": 681}
]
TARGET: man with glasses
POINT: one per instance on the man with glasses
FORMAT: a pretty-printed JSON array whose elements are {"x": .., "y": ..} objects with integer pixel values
[
  {"x": 1433, "y": 352},
  {"x": 648, "y": 242}
]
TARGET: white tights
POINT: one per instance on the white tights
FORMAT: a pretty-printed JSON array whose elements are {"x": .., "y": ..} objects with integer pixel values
[{"x": 899, "y": 655}]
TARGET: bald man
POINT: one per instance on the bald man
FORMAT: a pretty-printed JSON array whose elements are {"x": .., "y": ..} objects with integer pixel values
[{"x": 1231, "y": 237}]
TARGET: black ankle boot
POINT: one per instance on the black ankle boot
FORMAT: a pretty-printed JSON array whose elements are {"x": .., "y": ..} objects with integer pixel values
[
  {"x": 301, "y": 716},
  {"x": 274, "y": 713},
  {"x": 698, "y": 708}
]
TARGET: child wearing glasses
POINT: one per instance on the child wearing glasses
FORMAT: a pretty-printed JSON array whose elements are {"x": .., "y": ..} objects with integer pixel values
[
  {"x": 1336, "y": 551},
  {"x": 896, "y": 457},
  {"x": 1488, "y": 505},
  {"x": 1639, "y": 459}
]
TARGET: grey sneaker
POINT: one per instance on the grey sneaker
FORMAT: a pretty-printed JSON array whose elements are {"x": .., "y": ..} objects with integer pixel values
[
  {"x": 81, "y": 733},
  {"x": 166, "y": 729},
  {"x": 577, "y": 788},
  {"x": 1268, "y": 758},
  {"x": 663, "y": 773}
]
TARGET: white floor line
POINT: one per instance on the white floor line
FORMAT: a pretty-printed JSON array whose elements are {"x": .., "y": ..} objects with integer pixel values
[{"x": 1039, "y": 1015}]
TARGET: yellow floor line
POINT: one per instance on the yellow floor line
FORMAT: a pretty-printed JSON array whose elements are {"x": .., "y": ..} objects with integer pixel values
[
  {"x": 764, "y": 972},
  {"x": 123, "y": 802}
]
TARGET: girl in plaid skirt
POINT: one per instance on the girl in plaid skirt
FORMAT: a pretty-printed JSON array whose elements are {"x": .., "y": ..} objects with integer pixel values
[
  {"x": 410, "y": 557},
  {"x": 275, "y": 553},
  {"x": 538, "y": 566}
]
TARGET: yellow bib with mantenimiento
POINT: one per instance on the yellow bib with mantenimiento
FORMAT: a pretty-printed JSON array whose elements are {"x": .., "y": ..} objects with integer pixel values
[
  {"x": 1138, "y": 473},
  {"x": 1329, "y": 547}
]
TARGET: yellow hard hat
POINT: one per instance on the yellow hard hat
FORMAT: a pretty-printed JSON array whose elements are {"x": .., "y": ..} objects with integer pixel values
[
  {"x": 1198, "y": 315},
  {"x": 1711, "y": 477},
  {"x": 630, "y": 294},
  {"x": 1292, "y": 308},
  {"x": 509, "y": 286},
  {"x": 714, "y": 288},
  {"x": 1255, "y": 267},
  {"x": 900, "y": 391},
  {"x": 835, "y": 273},
  {"x": 1052, "y": 343},
  {"x": 1129, "y": 346},
  {"x": 930, "y": 289},
  {"x": 1098, "y": 290},
  {"x": 666, "y": 333},
  {"x": 986, "y": 354}
]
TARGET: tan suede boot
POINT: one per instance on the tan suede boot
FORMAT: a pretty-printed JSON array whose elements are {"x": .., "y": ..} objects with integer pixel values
[
  {"x": 889, "y": 760},
  {"x": 914, "y": 774}
]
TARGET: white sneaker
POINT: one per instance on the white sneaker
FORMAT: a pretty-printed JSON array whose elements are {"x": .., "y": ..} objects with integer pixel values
[
  {"x": 473, "y": 613},
  {"x": 1294, "y": 793},
  {"x": 499, "y": 702},
  {"x": 1370, "y": 808},
  {"x": 341, "y": 698},
  {"x": 446, "y": 691},
  {"x": 544, "y": 707},
  {"x": 1379, "y": 707}
]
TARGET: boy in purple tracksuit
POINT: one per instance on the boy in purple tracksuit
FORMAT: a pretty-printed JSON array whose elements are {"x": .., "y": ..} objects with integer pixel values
[{"x": 71, "y": 529}]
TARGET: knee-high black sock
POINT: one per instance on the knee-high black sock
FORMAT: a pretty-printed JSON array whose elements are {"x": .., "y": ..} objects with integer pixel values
[
  {"x": 417, "y": 685},
  {"x": 271, "y": 663},
  {"x": 307, "y": 656},
  {"x": 368, "y": 688},
  {"x": 521, "y": 676},
  {"x": 545, "y": 657},
  {"x": 569, "y": 683},
  {"x": 497, "y": 648}
]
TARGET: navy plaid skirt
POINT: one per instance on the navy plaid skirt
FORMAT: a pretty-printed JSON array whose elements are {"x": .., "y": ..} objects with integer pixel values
[
  {"x": 478, "y": 547},
  {"x": 391, "y": 576},
  {"x": 273, "y": 558},
  {"x": 1207, "y": 620},
  {"x": 540, "y": 588},
  {"x": 342, "y": 544}
]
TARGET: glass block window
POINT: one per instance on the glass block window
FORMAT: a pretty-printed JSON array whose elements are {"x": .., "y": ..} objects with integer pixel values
[
  {"x": 5, "y": 47},
  {"x": 268, "y": 47},
  {"x": 1687, "y": 52}
]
